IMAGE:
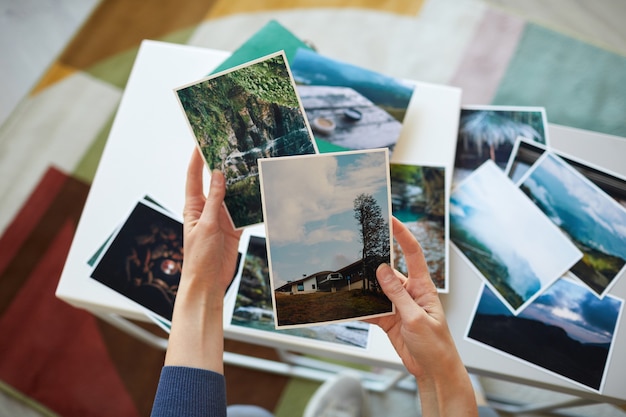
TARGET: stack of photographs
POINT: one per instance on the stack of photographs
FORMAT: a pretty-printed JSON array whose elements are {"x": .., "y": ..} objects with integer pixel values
[
  {"x": 547, "y": 234},
  {"x": 142, "y": 259},
  {"x": 304, "y": 142},
  {"x": 348, "y": 107},
  {"x": 261, "y": 109}
]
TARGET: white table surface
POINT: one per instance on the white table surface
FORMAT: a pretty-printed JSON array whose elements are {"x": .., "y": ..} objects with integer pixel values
[{"x": 147, "y": 154}]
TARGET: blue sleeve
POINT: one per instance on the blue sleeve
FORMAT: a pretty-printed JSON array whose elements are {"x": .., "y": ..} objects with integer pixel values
[{"x": 189, "y": 392}]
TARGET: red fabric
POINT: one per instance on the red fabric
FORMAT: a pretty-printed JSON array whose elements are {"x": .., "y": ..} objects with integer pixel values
[
  {"x": 53, "y": 352},
  {"x": 31, "y": 212}
]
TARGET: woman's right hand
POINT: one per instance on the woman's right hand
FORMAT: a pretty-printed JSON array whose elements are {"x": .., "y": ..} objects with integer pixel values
[{"x": 420, "y": 335}]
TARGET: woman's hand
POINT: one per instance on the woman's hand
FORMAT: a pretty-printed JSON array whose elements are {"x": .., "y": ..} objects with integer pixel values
[
  {"x": 210, "y": 241},
  {"x": 420, "y": 335},
  {"x": 210, "y": 245}
]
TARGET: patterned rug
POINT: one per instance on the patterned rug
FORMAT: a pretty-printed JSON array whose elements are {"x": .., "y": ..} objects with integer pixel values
[
  {"x": 76, "y": 365},
  {"x": 62, "y": 359}
]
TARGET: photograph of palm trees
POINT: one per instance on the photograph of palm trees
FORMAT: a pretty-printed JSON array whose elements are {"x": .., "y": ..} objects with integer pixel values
[
  {"x": 489, "y": 133},
  {"x": 327, "y": 222},
  {"x": 253, "y": 305},
  {"x": 517, "y": 250},
  {"x": 594, "y": 221},
  {"x": 240, "y": 115},
  {"x": 567, "y": 331},
  {"x": 420, "y": 201}
]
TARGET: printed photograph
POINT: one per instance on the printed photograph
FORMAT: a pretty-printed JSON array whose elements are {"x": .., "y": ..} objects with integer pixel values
[
  {"x": 419, "y": 200},
  {"x": 594, "y": 222},
  {"x": 490, "y": 133},
  {"x": 327, "y": 222},
  {"x": 243, "y": 114},
  {"x": 511, "y": 243},
  {"x": 253, "y": 305},
  {"x": 527, "y": 153},
  {"x": 567, "y": 331},
  {"x": 347, "y": 105},
  {"x": 143, "y": 260}
]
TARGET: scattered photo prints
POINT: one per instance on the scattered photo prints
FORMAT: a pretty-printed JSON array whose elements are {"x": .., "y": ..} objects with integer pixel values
[
  {"x": 526, "y": 153},
  {"x": 253, "y": 305},
  {"x": 567, "y": 331},
  {"x": 143, "y": 259},
  {"x": 327, "y": 222},
  {"x": 518, "y": 251},
  {"x": 349, "y": 107},
  {"x": 594, "y": 221},
  {"x": 240, "y": 115},
  {"x": 420, "y": 201},
  {"x": 490, "y": 133}
]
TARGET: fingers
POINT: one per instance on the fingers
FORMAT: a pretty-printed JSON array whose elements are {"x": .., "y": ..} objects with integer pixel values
[
  {"x": 194, "y": 175},
  {"x": 393, "y": 287},
  {"x": 419, "y": 277},
  {"x": 196, "y": 204},
  {"x": 194, "y": 197},
  {"x": 412, "y": 250},
  {"x": 217, "y": 191},
  {"x": 418, "y": 289}
]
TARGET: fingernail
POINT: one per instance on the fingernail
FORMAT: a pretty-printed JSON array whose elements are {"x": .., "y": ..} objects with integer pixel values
[
  {"x": 384, "y": 272},
  {"x": 217, "y": 177}
]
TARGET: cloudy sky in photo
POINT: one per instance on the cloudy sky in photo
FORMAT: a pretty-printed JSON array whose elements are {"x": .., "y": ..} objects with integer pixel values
[
  {"x": 568, "y": 305},
  {"x": 575, "y": 203},
  {"x": 308, "y": 206},
  {"x": 491, "y": 209}
]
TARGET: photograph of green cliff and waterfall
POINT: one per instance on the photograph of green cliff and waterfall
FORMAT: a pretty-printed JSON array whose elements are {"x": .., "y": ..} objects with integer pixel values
[{"x": 243, "y": 114}]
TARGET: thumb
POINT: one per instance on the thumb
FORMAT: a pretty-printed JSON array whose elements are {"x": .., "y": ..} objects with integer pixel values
[{"x": 394, "y": 288}]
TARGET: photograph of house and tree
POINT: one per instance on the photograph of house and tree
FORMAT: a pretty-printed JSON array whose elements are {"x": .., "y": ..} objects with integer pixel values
[{"x": 327, "y": 221}]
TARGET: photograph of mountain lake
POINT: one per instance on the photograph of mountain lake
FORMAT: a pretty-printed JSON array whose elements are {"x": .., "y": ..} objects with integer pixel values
[
  {"x": 243, "y": 114},
  {"x": 517, "y": 250},
  {"x": 567, "y": 330},
  {"x": 347, "y": 105},
  {"x": 593, "y": 220},
  {"x": 419, "y": 200},
  {"x": 328, "y": 227},
  {"x": 253, "y": 306}
]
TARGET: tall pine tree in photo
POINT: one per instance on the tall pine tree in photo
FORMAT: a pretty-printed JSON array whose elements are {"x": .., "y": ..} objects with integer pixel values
[{"x": 374, "y": 237}]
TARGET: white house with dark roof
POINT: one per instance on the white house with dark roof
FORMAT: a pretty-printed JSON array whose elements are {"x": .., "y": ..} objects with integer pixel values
[
  {"x": 304, "y": 285},
  {"x": 347, "y": 278}
]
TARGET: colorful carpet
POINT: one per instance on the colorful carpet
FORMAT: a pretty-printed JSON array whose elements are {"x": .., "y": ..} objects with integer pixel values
[
  {"x": 62, "y": 358},
  {"x": 76, "y": 365},
  {"x": 50, "y": 351}
]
